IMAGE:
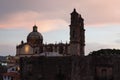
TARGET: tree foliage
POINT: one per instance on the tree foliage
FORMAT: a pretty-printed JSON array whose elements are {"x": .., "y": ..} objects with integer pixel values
[{"x": 105, "y": 52}]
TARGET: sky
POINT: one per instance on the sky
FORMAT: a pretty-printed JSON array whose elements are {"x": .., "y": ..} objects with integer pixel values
[{"x": 101, "y": 19}]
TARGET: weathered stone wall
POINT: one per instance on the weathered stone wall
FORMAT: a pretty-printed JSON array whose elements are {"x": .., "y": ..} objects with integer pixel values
[{"x": 46, "y": 68}]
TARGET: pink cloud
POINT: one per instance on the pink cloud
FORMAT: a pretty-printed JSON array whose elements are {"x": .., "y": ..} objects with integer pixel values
[
  {"x": 28, "y": 19},
  {"x": 100, "y": 11},
  {"x": 49, "y": 25},
  {"x": 19, "y": 19},
  {"x": 95, "y": 13}
]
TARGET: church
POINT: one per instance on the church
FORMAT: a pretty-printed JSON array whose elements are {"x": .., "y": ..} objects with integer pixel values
[
  {"x": 65, "y": 61},
  {"x": 35, "y": 46}
]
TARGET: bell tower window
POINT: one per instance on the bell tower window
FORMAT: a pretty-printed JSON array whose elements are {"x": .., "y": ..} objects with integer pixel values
[{"x": 73, "y": 34}]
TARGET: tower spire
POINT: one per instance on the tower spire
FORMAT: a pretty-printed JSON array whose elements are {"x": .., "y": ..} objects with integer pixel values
[{"x": 74, "y": 10}]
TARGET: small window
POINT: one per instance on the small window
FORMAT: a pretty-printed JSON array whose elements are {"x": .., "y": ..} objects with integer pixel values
[
  {"x": 8, "y": 77},
  {"x": 12, "y": 78},
  {"x": 13, "y": 69}
]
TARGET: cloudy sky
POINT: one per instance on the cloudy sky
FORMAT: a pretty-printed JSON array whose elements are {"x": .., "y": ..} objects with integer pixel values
[{"x": 102, "y": 22}]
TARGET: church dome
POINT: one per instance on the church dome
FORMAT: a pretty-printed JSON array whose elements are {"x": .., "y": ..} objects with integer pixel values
[{"x": 35, "y": 38}]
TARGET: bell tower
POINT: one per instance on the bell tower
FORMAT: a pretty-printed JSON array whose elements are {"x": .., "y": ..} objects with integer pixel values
[{"x": 77, "y": 34}]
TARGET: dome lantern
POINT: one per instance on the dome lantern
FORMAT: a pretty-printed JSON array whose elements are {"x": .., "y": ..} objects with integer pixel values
[{"x": 34, "y": 28}]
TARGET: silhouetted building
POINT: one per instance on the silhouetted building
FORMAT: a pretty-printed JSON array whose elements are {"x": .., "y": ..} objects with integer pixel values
[
  {"x": 34, "y": 44},
  {"x": 66, "y": 61},
  {"x": 91, "y": 67}
]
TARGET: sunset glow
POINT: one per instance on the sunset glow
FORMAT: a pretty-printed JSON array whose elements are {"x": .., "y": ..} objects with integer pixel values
[{"x": 101, "y": 17}]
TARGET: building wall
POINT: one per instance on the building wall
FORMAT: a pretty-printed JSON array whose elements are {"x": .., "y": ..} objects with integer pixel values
[
  {"x": 71, "y": 67},
  {"x": 59, "y": 48},
  {"x": 56, "y": 68},
  {"x": 106, "y": 67},
  {"x": 24, "y": 49},
  {"x": 46, "y": 68}
]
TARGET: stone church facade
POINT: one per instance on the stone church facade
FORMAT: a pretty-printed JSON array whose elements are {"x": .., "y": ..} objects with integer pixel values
[
  {"x": 35, "y": 45},
  {"x": 66, "y": 61}
]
